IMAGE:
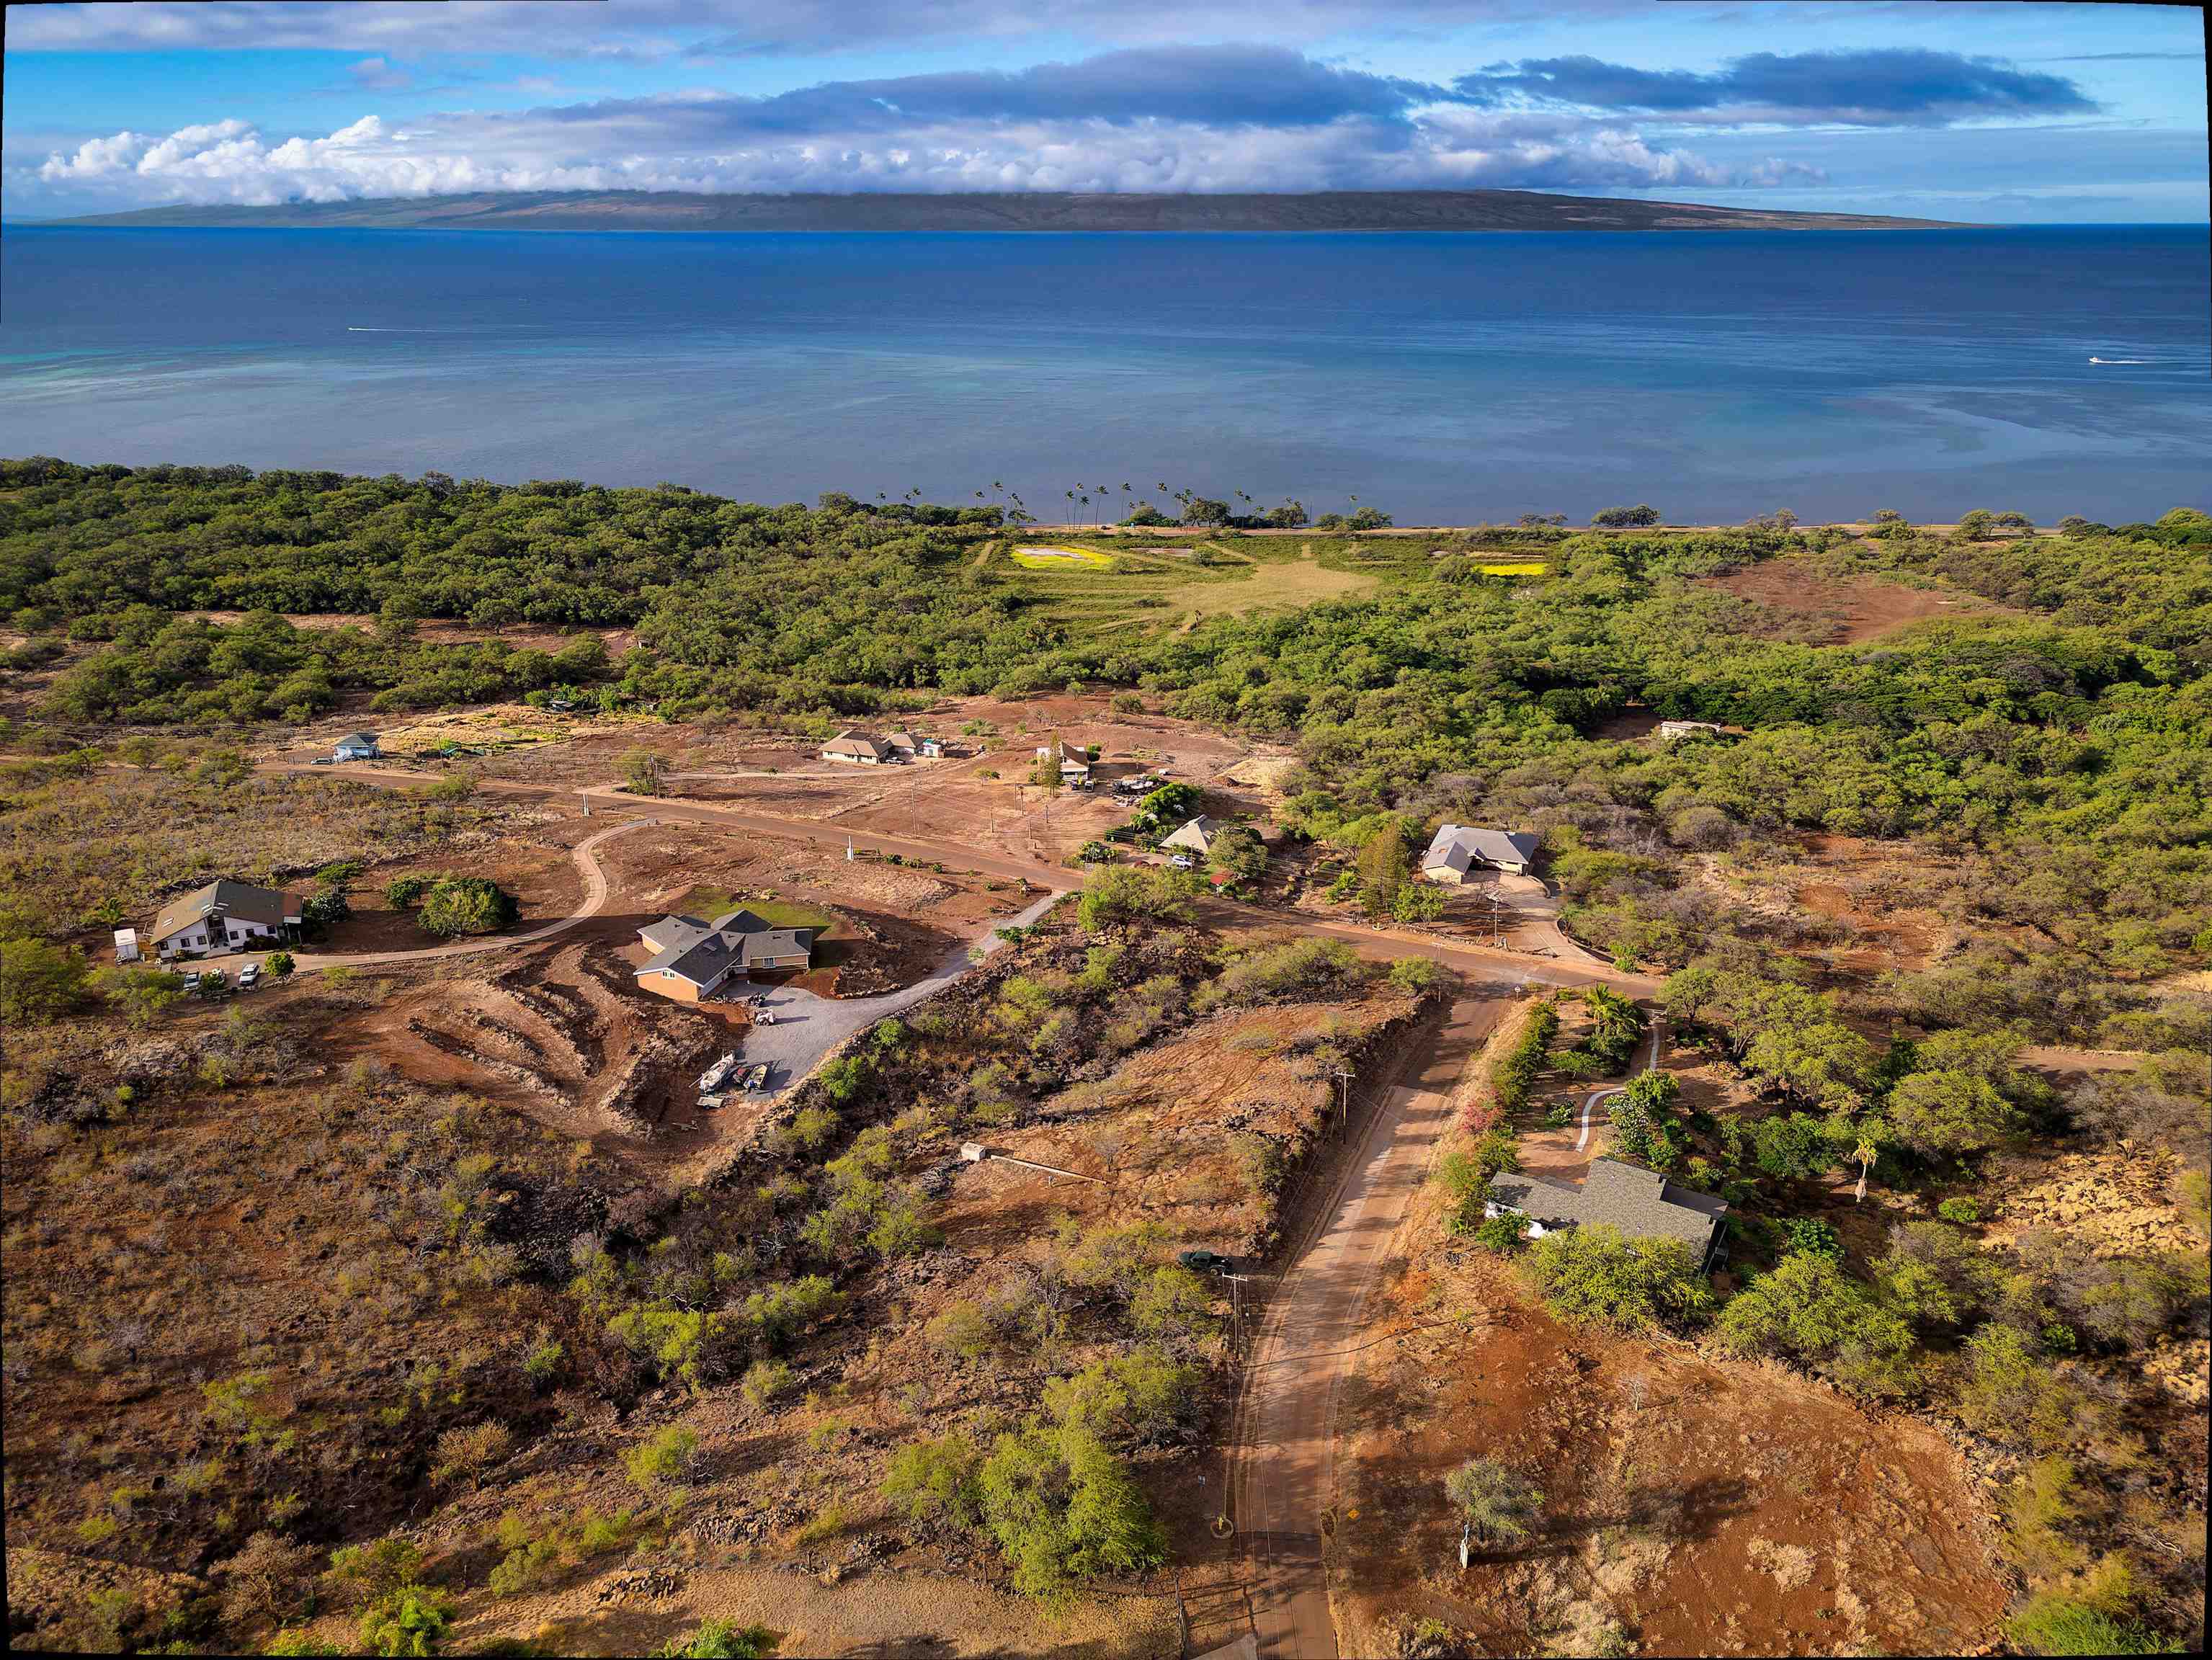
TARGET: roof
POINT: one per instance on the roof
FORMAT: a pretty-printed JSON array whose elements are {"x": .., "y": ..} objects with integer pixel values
[
  {"x": 1459, "y": 846},
  {"x": 239, "y": 899},
  {"x": 368, "y": 738},
  {"x": 899, "y": 740},
  {"x": 857, "y": 743},
  {"x": 1196, "y": 834},
  {"x": 1641, "y": 1203},
  {"x": 702, "y": 953}
]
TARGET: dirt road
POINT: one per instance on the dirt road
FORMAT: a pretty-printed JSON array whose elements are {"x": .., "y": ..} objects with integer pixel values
[
  {"x": 1479, "y": 960},
  {"x": 1285, "y": 1422},
  {"x": 595, "y": 895}
]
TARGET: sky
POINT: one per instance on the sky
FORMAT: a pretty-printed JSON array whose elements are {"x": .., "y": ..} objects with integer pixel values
[{"x": 1996, "y": 113}]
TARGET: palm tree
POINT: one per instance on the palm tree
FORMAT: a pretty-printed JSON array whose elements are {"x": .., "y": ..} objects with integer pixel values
[{"x": 1866, "y": 1153}]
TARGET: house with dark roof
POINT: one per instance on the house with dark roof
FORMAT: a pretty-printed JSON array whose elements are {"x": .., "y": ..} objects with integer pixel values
[
  {"x": 691, "y": 958},
  {"x": 224, "y": 915},
  {"x": 357, "y": 747},
  {"x": 1458, "y": 850},
  {"x": 1642, "y": 1204}
]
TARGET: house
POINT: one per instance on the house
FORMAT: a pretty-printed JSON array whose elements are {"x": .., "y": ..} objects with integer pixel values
[
  {"x": 223, "y": 915},
  {"x": 1641, "y": 1203},
  {"x": 932, "y": 748},
  {"x": 1074, "y": 767},
  {"x": 901, "y": 742},
  {"x": 1460, "y": 849},
  {"x": 691, "y": 958},
  {"x": 1671, "y": 730},
  {"x": 860, "y": 749},
  {"x": 357, "y": 747},
  {"x": 1195, "y": 837}
]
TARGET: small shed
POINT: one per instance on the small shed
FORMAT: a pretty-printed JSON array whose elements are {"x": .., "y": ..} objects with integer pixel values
[{"x": 126, "y": 945}]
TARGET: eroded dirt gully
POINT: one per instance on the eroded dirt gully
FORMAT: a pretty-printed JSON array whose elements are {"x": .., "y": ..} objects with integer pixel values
[{"x": 1284, "y": 1454}]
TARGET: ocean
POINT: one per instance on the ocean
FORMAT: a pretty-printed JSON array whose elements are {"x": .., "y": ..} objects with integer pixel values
[{"x": 1443, "y": 379}]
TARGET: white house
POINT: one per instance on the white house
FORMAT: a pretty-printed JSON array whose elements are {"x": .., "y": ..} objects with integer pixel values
[
  {"x": 357, "y": 746},
  {"x": 859, "y": 748},
  {"x": 903, "y": 743},
  {"x": 1458, "y": 850},
  {"x": 1671, "y": 730},
  {"x": 222, "y": 916}
]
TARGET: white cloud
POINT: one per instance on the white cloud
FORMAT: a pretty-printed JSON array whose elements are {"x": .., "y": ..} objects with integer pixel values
[{"x": 674, "y": 145}]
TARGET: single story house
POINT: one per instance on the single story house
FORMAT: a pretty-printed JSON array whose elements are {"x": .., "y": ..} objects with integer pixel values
[
  {"x": 223, "y": 915},
  {"x": 1641, "y": 1203},
  {"x": 902, "y": 744},
  {"x": 1196, "y": 837},
  {"x": 357, "y": 747},
  {"x": 1671, "y": 730},
  {"x": 1460, "y": 849},
  {"x": 691, "y": 958},
  {"x": 860, "y": 748}
]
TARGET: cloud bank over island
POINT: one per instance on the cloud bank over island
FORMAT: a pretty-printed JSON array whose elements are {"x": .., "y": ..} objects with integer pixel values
[{"x": 1212, "y": 118}]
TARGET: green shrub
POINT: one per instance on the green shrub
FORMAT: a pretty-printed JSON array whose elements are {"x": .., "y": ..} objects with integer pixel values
[
  {"x": 1065, "y": 1510},
  {"x": 1593, "y": 1274},
  {"x": 935, "y": 1480},
  {"x": 662, "y": 1462},
  {"x": 718, "y": 1639},
  {"x": 457, "y": 905},
  {"x": 1807, "y": 1307},
  {"x": 39, "y": 982},
  {"x": 1501, "y": 1233},
  {"x": 1810, "y": 1236},
  {"x": 1965, "y": 1212},
  {"x": 1499, "y": 1505},
  {"x": 402, "y": 892},
  {"x": 408, "y": 1619},
  {"x": 1415, "y": 974}
]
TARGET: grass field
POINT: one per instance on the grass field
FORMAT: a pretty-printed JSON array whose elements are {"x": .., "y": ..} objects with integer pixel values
[
  {"x": 712, "y": 902},
  {"x": 1160, "y": 588}
]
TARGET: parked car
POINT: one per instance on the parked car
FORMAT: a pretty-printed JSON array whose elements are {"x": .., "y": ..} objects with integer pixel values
[
  {"x": 191, "y": 983},
  {"x": 1180, "y": 862},
  {"x": 249, "y": 976},
  {"x": 324, "y": 761},
  {"x": 1206, "y": 1262}
]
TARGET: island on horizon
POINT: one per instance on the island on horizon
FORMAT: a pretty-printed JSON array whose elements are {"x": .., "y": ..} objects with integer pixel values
[{"x": 1005, "y": 211}]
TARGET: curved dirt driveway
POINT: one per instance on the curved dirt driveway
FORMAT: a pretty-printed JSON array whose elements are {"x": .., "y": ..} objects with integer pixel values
[{"x": 595, "y": 898}]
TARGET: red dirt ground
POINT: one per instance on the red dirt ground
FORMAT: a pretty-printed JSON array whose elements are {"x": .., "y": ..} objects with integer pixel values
[{"x": 1835, "y": 613}]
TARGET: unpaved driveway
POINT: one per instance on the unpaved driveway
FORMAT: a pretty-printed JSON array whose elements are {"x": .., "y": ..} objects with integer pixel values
[{"x": 1285, "y": 1433}]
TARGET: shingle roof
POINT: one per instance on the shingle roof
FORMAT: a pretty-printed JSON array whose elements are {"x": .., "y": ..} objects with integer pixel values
[
  {"x": 857, "y": 743},
  {"x": 368, "y": 738},
  {"x": 1641, "y": 1203},
  {"x": 1196, "y": 834},
  {"x": 702, "y": 953},
  {"x": 240, "y": 899},
  {"x": 1459, "y": 846}
]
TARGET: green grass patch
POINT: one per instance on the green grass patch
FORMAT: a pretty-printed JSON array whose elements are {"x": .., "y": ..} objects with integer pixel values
[
  {"x": 1167, "y": 586},
  {"x": 712, "y": 902}
]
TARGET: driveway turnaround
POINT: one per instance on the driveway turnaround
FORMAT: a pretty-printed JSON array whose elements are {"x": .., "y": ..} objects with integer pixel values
[{"x": 808, "y": 1027}]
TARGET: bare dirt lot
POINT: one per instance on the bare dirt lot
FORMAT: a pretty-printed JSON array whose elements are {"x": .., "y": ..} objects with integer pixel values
[
  {"x": 1826, "y": 612},
  {"x": 1693, "y": 1508}
]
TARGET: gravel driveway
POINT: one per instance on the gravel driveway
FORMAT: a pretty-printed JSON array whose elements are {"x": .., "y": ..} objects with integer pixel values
[{"x": 808, "y": 1027}]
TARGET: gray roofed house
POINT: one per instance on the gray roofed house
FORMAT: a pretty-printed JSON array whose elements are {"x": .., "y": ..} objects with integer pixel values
[
  {"x": 221, "y": 915},
  {"x": 691, "y": 957},
  {"x": 357, "y": 746},
  {"x": 1457, "y": 849},
  {"x": 1196, "y": 835},
  {"x": 1641, "y": 1203}
]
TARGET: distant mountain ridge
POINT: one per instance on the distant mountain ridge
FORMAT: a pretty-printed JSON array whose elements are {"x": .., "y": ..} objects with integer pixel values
[{"x": 1322, "y": 210}]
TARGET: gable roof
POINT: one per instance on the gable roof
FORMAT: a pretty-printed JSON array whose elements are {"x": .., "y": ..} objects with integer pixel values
[
  {"x": 857, "y": 743},
  {"x": 240, "y": 899},
  {"x": 1460, "y": 846},
  {"x": 358, "y": 737},
  {"x": 702, "y": 953},
  {"x": 1641, "y": 1203},
  {"x": 899, "y": 740}
]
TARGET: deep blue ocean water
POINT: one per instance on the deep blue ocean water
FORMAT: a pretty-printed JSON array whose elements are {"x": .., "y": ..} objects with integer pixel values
[{"x": 1445, "y": 378}]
